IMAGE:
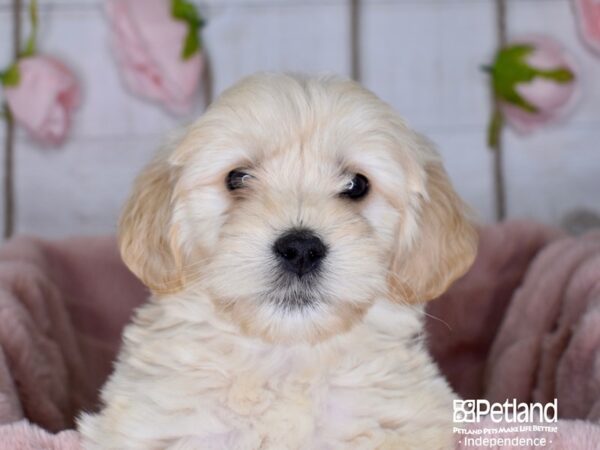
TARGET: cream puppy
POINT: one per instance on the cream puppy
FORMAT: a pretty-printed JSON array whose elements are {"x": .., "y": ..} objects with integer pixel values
[{"x": 289, "y": 238}]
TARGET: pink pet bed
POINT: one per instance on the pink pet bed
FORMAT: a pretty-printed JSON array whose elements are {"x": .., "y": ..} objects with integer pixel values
[{"x": 524, "y": 323}]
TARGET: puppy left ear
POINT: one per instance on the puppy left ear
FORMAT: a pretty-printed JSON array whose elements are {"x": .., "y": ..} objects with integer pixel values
[
  {"x": 146, "y": 235},
  {"x": 445, "y": 246}
]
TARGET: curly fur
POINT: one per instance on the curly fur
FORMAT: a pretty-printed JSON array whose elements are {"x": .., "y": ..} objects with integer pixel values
[{"x": 218, "y": 358}]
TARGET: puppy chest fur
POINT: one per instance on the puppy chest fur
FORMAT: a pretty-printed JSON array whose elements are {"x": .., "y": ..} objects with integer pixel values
[{"x": 187, "y": 380}]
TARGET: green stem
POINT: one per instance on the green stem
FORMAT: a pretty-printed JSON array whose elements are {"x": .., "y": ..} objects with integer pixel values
[
  {"x": 9, "y": 136},
  {"x": 494, "y": 129},
  {"x": 9, "y": 197},
  {"x": 31, "y": 45}
]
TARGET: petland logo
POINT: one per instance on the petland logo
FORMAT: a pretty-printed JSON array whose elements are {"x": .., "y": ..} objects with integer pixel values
[
  {"x": 473, "y": 411},
  {"x": 510, "y": 424}
]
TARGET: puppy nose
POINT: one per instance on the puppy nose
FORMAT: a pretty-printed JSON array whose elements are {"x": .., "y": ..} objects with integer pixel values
[{"x": 300, "y": 251}]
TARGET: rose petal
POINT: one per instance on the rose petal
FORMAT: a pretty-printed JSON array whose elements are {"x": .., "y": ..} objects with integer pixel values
[
  {"x": 546, "y": 95},
  {"x": 47, "y": 93},
  {"x": 588, "y": 18},
  {"x": 55, "y": 126}
]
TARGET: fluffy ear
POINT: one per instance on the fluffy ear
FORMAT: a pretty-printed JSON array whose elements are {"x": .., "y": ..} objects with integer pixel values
[
  {"x": 445, "y": 246},
  {"x": 147, "y": 239}
]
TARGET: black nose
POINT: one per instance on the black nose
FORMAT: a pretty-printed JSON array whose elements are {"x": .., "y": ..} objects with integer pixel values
[{"x": 300, "y": 251}]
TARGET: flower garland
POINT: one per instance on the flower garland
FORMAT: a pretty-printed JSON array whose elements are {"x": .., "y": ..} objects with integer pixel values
[
  {"x": 40, "y": 95},
  {"x": 159, "y": 49},
  {"x": 40, "y": 91},
  {"x": 158, "y": 46}
]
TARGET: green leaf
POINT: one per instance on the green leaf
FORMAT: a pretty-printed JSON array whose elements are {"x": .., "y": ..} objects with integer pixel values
[
  {"x": 30, "y": 46},
  {"x": 559, "y": 75},
  {"x": 511, "y": 68},
  {"x": 508, "y": 70},
  {"x": 11, "y": 76},
  {"x": 191, "y": 45},
  {"x": 186, "y": 12}
]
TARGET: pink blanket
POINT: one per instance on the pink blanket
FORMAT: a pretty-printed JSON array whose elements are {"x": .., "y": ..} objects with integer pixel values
[
  {"x": 62, "y": 308},
  {"x": 523, "y": 323}
]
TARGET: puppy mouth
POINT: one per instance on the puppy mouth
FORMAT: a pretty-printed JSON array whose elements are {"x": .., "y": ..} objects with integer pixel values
[{"x": 290, "y": 292}]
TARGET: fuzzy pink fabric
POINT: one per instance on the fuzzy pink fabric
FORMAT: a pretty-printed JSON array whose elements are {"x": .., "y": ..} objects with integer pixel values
[
  {"x": 23, "y": 435},
  {"x": 524, "y": 323},
  {"x": 62, "y": 308},
  {"x": 464, "y": 322},
  {"x": 552, "y": 330}
]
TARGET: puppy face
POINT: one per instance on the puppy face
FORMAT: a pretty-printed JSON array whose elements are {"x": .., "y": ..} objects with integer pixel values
[{"x": 296, "y": 202}]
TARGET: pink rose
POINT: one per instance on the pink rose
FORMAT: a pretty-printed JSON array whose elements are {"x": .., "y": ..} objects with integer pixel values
[
  {"x": 550, "y": 91},
  {"x": 588, "y": 16},
  {"x": 44, "y": 98},
  {"x": 148, "y": 43}
]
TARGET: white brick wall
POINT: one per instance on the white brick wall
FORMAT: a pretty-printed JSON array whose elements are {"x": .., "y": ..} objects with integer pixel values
[{"x": 422, "y": 56}]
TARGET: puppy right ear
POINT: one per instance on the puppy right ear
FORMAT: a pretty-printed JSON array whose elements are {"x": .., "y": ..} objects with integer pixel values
[
  {"x": 147, "y": 237},
  {"x": 446, "y": 246}
]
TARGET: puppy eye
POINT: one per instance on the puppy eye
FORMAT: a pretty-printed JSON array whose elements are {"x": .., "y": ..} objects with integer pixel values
[
  {"x": 237, "y": 179},
  {"x": 356, "y": 188}
]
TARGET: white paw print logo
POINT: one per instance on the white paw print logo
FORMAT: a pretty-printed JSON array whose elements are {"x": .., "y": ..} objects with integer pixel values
[{"x": 464, "y": 411}]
